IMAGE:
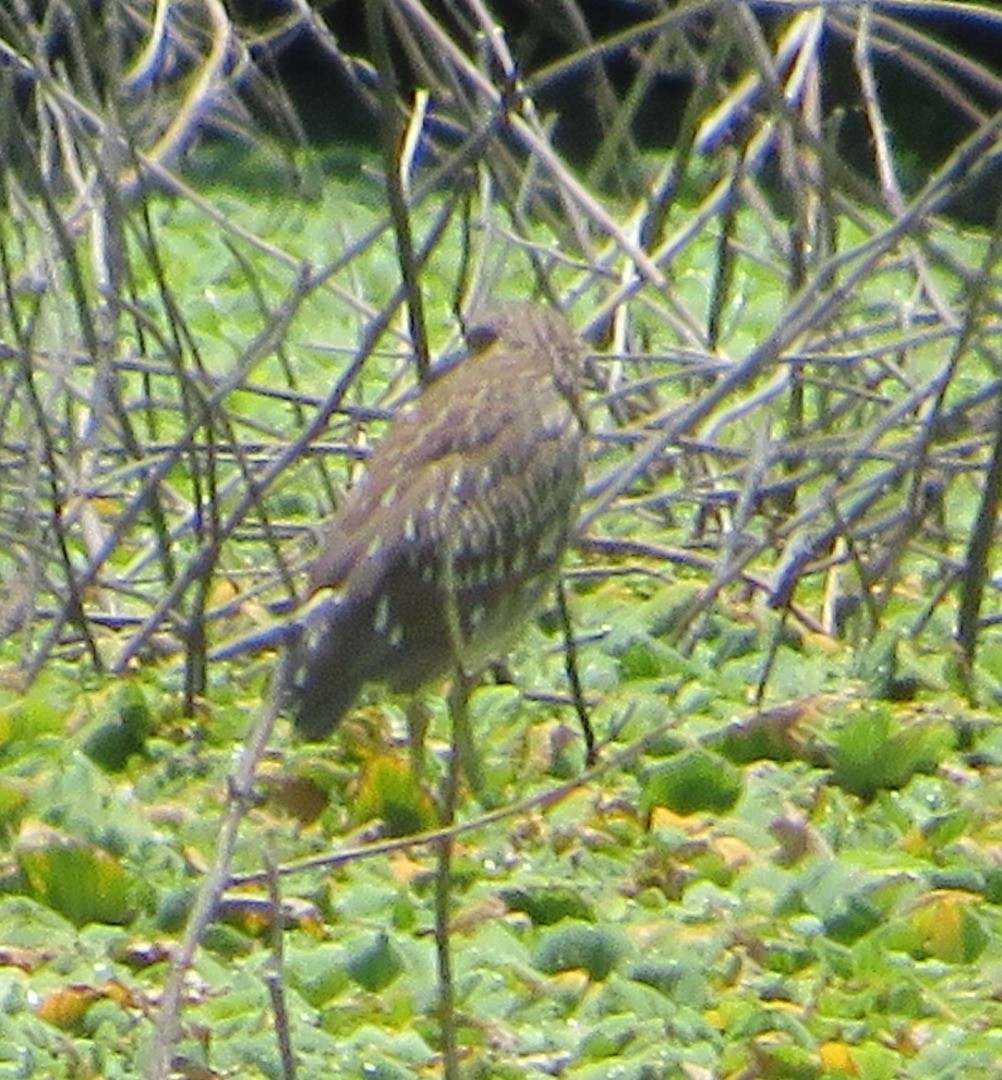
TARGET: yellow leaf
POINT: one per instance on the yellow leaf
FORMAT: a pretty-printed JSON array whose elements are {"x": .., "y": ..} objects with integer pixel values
[
  {"x": 914, "y": 842},
  {"x": 734, "y": 852},
  {"x": 223, "y": 591},
  {"x": 838, "y": 1057},
  {"x": 389, "y": 791},
  {"x": 405, "y": 869},
  {"x": 946, "y": 926},
  {"x": 65, "y": 1008}
]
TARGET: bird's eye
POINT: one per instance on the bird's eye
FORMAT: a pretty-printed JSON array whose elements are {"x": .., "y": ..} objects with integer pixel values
[{"x": 480, "y": 336}]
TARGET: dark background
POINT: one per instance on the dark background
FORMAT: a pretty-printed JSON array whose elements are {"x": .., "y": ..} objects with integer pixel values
[{"x": 926, "y": 126}]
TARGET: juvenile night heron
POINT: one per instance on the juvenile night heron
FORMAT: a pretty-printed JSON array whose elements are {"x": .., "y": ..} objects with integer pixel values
[{"x": 454, "y": 533}]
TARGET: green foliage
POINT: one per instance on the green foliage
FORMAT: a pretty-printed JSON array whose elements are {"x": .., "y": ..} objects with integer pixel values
[
  {"x": 572, "y": 945},
  {"x": 39, "y": 712},
  {"x": 81, "y": 882},
  {"x": 871, "y": 751},
  {"x": 693, "y": 781},
  {"x": 112, "y": 743},
  {"x": 373, "y": 962},
  {"x": 546, "y": 906},
  {"x": 389, "y": 792},
  {"x": 318, "y": 973}
]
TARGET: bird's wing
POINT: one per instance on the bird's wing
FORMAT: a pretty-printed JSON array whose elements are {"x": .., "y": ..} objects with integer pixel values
[
  {"x": 471, "y": 504},
  {"x": 469, "y": 450}
]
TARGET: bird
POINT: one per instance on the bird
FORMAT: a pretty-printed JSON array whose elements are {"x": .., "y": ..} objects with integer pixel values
[{"x": 440, "y": 553}]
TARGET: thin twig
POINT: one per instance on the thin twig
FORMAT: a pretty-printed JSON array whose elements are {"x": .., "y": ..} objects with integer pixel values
[{"x": 239, "y": 802}]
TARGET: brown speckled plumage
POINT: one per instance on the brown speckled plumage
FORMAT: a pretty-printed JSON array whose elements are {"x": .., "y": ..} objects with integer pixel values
[{"x": 472, "y": 494}]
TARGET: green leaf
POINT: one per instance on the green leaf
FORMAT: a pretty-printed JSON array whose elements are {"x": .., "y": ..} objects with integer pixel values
[
  {"x": 79, "y": 880},
  {"x": 868, "y": 754},
  {"x": 945, "y": 926},
  {"x": 576, "y": 945},
  {"x": 389, "y": 792},
  {"x": 694, "y": 781},
  {"x": 112, "y": 744},
  {"x": 319, "y": 973},
  {"x": 546, "y": 906},
  {"x": 373, "y": 961}
]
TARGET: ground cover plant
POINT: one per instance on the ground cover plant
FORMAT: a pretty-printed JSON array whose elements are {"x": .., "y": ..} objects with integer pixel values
[{"x": 784, "y": 595}]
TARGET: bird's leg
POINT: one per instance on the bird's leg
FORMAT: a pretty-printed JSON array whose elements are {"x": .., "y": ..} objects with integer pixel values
[
  {"x": 443, "y": 946},
  {"x": 571, "y": 667},
  {"x": 463, "y": 750},
  {"x": 459, "y": 694},
  {"x": 418, "y": 718}
]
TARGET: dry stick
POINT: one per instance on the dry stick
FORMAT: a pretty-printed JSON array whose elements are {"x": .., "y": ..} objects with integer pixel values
[
  {"x": 202, "y": 87},
  {"x": 241, "y": 783},
  {"x": 532, "y": 140},
  {"x": 390, "y": 132},
  {"x": 618, "y": 547},
  {"x": 951, "y": 74},
  {"x": 275, "y": 975},
  {"x": 880, "y": 139},
  {"x": 72, "y": 610},
  {"x": 201, "y": 562},
  {"x": 979, "y": 545},
  {"x": 259, "y": 347},
  {"x": 806, "y": 310}
]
